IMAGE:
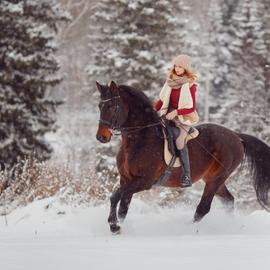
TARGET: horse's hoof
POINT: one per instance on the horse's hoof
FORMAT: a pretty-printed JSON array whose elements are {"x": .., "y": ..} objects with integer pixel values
[
  {"x": 197, "y": 218},
  {"x": 121, "y": 219},
  {"x": 115, "y": 229}
]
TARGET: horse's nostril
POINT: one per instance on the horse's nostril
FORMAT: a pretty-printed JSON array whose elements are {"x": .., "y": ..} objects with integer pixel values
[{"x": 102, "y": 139}]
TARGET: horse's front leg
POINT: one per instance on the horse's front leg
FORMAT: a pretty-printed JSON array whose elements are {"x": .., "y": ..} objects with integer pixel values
[
  {"x": 112, "y": 219},
  {"x": 132, "y": 187},
  {"x": 124, "y": 205}
]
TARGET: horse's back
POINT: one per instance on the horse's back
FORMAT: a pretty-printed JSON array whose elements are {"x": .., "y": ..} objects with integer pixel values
[
  {"x": 217, "y": 134},
  {"x": 216, "y": 142}
]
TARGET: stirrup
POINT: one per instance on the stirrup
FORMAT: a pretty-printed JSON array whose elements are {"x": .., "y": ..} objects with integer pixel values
[{"x": 186, "y": 181}]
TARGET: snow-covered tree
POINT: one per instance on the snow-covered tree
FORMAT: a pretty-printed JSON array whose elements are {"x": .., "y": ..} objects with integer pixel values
[
  {"x": 248, "y": 106},
  {"x": 220, "y": 15},
  {"x": 28, "y": 67},
  {"x": 265, "y": 15},
  {"x": 240, "y": 95},
  {"x": 133, "y": 42}
]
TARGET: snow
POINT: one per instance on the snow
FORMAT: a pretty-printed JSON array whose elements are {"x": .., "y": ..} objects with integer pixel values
[
  {"x": 68, "y": 141},
  {"x": 13, "y": 8},
  {"x": 50, "y": 235}
]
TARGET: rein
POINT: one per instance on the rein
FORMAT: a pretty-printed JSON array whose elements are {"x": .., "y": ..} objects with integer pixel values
[
  {"x": 137, "y": 128},
  {"x": 128, "y": 129}
]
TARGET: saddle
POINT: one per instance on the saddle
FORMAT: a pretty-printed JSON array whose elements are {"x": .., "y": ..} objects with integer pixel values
[{"x": 171, "y": 132}]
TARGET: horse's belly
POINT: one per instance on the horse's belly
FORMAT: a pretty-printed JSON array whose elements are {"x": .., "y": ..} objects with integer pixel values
[{"x": 175, "y": 179}]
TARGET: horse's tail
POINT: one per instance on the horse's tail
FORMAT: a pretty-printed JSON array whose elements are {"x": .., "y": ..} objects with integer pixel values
[{"x": 258, "y": 157}]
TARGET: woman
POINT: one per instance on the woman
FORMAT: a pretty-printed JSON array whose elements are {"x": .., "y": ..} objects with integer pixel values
[{"x": 178, "y": 103}]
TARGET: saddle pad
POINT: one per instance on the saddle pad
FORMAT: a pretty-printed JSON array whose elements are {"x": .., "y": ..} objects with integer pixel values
[{"x": 167, "y": 153}]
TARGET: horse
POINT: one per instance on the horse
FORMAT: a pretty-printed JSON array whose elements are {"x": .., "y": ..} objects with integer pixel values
[{"x": 214, "y": 154}]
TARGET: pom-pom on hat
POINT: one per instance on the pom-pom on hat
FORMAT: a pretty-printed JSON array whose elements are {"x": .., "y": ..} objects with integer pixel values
[{"x": 183, "y": 61}]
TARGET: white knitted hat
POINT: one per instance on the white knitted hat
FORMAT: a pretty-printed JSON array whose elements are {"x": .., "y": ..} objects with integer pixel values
[{"x": 183, "y": 61}]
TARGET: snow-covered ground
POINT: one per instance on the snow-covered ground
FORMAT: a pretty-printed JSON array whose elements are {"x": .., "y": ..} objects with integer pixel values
[{"x": 48, "y": 235}]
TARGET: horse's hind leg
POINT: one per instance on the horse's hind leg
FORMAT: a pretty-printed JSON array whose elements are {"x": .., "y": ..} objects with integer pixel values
[
  {"x": 204, "y": 206},
  {"x": 211, "y": 187},
  {"x": 226, "y": 197}
]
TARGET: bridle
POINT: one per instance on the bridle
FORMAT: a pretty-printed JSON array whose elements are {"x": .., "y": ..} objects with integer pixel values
[{"x": 112, "y": 124}]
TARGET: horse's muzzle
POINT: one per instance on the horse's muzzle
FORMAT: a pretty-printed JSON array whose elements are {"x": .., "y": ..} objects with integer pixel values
[
  {"x": 102, "y": 139},
  {"x": 103, "y": 135}
]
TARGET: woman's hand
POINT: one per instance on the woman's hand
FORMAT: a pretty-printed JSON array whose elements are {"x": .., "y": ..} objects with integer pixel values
[{"x": 171, "y": 115}]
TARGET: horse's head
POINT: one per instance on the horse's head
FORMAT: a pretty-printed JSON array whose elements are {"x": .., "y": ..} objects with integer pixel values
[{"x": 113, "y": 113}]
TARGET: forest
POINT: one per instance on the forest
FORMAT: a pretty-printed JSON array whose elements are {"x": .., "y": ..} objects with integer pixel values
[
  {"x": 52, "y": 52},
  {"x": 59, "y": 183}
]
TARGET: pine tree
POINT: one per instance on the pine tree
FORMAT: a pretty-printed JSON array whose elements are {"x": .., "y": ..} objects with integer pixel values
[
  {"x": 220, "y": 14},
  {"x": 249, "y": 106},
  {"x": 133, "y": 42},
  {"x": 28, "y": 68}
]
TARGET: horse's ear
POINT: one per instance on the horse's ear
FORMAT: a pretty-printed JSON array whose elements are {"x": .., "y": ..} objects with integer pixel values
[
  {"x": 99, "y": 87},
  {"x": 114, "y": 88}
]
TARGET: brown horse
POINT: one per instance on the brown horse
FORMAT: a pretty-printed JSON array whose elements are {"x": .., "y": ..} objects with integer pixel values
[{"x": 214, "y": 154}]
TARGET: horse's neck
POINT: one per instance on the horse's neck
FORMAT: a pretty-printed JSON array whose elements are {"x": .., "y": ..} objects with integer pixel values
[
  {"x": 138, "y": 129},
  {"x": 138, "y": 117},
  {"x": 137, "y": 120}
]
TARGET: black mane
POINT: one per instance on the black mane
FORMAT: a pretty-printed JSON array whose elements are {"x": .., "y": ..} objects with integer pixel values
[{"x": 140, "y": 98}]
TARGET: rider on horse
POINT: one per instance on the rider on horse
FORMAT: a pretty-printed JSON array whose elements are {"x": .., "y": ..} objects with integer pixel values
[
  {"x": 129, "y": 111},
  {"x": 177, "y": 101}
]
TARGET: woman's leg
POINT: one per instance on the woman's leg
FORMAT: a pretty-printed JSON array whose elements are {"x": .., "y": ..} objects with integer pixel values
[
  {"x": 183, "y": 155},
  {"x": 180, "y": 141}
]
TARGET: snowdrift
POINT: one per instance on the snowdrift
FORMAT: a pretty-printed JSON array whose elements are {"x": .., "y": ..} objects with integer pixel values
[{"x": 49, "y": 235}]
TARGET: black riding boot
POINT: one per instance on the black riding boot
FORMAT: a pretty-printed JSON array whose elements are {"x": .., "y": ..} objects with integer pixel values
[{"x": 184, "y": 158}]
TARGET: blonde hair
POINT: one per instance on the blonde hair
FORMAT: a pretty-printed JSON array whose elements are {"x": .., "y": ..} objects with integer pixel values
[{"x": 188, "y": 73}]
